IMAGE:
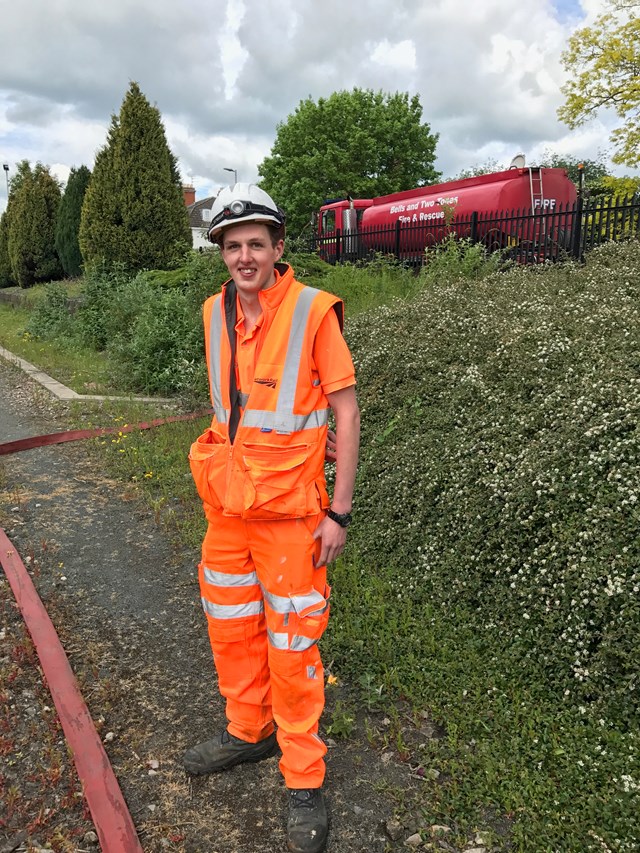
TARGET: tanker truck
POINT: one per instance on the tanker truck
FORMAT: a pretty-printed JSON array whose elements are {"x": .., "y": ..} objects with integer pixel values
[{"x": 521, "y": 208}]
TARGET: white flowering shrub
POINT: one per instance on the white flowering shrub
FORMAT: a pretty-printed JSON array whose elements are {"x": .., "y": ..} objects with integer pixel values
[{"x": 500, "y": 466}]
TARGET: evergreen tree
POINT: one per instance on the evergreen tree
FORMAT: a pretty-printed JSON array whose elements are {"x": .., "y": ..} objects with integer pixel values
[
  {"x": 6, "y": 272},
  {"x": 6, "y": 278},
  {"x": 134, "y": 213},
  {"x": 69, "y": 221},
  {"x": 32, "y": 227}
]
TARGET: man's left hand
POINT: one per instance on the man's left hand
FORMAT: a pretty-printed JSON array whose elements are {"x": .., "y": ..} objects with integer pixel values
[{"x": 332, "y": 538}]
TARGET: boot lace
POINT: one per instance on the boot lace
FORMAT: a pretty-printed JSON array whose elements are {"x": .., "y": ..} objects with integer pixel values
[{"x": 304, "y": 798}]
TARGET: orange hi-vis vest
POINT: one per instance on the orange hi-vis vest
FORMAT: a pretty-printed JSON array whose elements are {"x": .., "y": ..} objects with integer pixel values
[{"x": 274, "y": 467}]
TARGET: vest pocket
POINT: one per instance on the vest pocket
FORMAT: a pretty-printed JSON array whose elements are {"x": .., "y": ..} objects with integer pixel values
[
  {"x": 274, "y": 483},
  {"x": 208, "y": 461}
]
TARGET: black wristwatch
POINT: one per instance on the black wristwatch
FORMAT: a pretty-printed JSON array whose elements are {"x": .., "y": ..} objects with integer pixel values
[{"x": 341, "y": 518}]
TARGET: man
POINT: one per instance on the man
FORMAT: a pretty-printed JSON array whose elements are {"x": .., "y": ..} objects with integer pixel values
[{"x": 277, "y": 363}]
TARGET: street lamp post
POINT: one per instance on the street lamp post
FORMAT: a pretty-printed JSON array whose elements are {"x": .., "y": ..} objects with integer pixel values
[
  {"x": 235, "y": 173},
  {"x": 5, "y": 166}
]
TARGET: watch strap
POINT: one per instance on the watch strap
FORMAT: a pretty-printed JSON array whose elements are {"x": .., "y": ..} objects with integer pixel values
[{"x": 341, "y": 518}]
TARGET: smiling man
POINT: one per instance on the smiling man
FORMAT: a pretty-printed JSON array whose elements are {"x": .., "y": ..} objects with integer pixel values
[{"x": 278, "y": 363}]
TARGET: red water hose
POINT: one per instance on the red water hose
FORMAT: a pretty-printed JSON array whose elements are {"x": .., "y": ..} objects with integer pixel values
[
  {"x": 78, "y": 434},
  {"x": 111, "y": 817}
]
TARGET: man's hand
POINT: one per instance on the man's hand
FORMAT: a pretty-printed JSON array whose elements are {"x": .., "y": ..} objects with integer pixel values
[
  {"x": 330, "y": 450},
  {"x": 332, "y": 540}
]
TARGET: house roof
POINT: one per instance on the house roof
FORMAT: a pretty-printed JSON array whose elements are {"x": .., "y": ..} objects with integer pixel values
[{"x": 195, "y": 212}]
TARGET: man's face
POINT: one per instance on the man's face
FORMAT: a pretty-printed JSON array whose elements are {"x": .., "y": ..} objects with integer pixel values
[{"x": 250, "y": 255}]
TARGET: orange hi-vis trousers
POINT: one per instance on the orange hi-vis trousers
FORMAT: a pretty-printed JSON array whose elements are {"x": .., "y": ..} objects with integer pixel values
[{"x": 267, "y": 607}]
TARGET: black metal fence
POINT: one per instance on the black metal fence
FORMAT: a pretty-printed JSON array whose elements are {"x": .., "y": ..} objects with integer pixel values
[{"x": 521, "y": 235}]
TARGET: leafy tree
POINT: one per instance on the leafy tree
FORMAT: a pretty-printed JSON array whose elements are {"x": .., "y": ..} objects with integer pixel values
[
  {"x": 598, "y": 183},
  {"x": 476, "y": 170},
  {"x": 133, "y": 212},
  {"x": 32, "y": 226},
  {"x": 604, "y": 63},
  {"x": 594, "y": 170},
  {"x": 69, "y": 221},
  {"x": 621, "y": 188},
  {"x": 360, "y": 143}
]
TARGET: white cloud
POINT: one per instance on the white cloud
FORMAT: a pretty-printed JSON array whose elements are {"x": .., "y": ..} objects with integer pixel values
[
  {"x": 224, "y": 73},
  {"x": 400, "y": 55}
]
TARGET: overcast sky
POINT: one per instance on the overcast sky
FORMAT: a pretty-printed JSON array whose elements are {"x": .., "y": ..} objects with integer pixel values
[{"x": 224, "y": 72}]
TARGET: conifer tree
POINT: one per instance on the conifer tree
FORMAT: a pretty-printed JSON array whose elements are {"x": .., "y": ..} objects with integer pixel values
[
  {"x": 6, "y": 272},
  {"x": 6, "y": 278},
  {"x": 134, "y": 212},
  {"x": 32, "y": 227},
  {"x": 69, "y": 221}
]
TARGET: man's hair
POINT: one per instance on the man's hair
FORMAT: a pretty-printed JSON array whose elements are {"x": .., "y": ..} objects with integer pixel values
[{"x": 276, "y": 233}]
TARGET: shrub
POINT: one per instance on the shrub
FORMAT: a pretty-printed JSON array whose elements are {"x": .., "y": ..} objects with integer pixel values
[
  {"x": 364, "y": 286},
  {"x": 459, "y": 258},
  {"x": 500, "y": 463},
  {"x": 50, "y": 317},
  {"x": 104, "y": 311}
]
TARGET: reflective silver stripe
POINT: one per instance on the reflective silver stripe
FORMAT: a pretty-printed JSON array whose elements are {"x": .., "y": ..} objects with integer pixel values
[
  {"x": 215, "y": 339},
  {"x": 289, "y": 382},
  {"x": 301, "y": 644},
  {"x": 244, "y": 399},
  {"x": 282, "y": 422},
  {"x": 298, "y": 644},
  {"x": 313, "y": 599},
  {"x": 287, "y": 603},
  {"x": 226, "y": 579},
  {"x": 232, "y": 611},
  {"x": 283, "y": 419},
  {"x": 279, "y": 603},
  {"x": 221, "y": 414}
]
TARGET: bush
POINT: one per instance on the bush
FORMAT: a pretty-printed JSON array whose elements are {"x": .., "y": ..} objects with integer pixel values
[
  {"x": 163, "y": 349},
  {"x": 459, "y": 258},
  {"x": 364, "y": 286},
  {"x": 500, "y": 463},
  {"x": 50, "y": 317},
  {"x": 105, "y": 311}
]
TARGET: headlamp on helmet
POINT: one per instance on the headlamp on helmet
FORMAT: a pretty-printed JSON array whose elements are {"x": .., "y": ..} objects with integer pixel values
[{"x": 243, "y": 203}]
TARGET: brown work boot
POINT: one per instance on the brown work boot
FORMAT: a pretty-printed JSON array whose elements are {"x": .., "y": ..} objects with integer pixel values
[
  {"x": 225, "y": 751},
  {"x": 307, "y": 825}
]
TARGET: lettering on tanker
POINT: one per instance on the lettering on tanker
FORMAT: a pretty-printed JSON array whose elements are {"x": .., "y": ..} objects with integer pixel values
[{"x": 421, "y": 205}]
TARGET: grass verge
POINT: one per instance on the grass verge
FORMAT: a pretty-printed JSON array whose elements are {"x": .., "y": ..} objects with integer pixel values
[{"x": 84, "y": 370}]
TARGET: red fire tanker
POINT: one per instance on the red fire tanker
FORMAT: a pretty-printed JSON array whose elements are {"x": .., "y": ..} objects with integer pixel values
[{"x": 489, "y": 207}]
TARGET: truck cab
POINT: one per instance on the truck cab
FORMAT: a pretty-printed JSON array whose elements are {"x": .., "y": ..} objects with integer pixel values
[{"x": 338, "y": 225}]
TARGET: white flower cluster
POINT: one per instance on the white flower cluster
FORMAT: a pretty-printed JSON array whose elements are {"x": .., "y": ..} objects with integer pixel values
[{"x": 501, "y": 462}]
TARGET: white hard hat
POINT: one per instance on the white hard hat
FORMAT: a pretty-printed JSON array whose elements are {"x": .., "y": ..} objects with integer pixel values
[{"x": 243, "y": 203}]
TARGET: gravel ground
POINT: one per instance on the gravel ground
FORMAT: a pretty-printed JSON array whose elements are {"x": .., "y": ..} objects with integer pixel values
[{"x": 126, "y": 606}]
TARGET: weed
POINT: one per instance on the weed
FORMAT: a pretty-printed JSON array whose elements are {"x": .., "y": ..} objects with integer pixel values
[{"x": 343, "y": 721}]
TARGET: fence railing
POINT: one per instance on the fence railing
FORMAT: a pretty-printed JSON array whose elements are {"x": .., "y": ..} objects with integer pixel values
[{"x": 522, "y": 235}]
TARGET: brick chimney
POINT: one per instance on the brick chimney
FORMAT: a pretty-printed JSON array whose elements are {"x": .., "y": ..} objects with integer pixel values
[{"x": 189, "y": 194}]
